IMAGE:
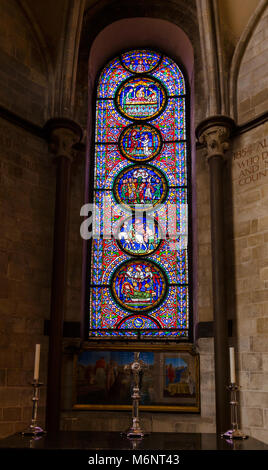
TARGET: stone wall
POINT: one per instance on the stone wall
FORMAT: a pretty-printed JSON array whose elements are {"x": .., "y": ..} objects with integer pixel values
[
  {"x": 248, "y": 276},
  {"x": 27, "y": 185},
  {"x": 23, "y": 69},
  {"x": 252, "y": 91},
  {"x": 248, "y": 173}
]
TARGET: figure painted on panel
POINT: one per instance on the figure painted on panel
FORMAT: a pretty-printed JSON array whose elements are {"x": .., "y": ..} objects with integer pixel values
[
  {"x": 100, "y": 373},
  {"x": 171, "y": 373},
  {"x": 112, "y": 373}
]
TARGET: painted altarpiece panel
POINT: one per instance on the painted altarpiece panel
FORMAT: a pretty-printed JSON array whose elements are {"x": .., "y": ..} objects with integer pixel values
[{"x": 170, "y": 381}]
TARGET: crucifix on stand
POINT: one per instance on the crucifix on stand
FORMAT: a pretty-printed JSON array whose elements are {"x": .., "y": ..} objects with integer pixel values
[{"x": 136, "y": 368}]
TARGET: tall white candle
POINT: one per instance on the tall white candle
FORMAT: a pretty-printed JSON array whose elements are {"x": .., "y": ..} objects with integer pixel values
[
  {"x": 36, "y": 361},
  {"x": 232, "y": 365}
]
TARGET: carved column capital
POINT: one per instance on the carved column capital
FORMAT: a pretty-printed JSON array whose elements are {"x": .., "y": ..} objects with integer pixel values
[
  {"x": 62, "y": 134},
  {"x": 214, "y": 133}
]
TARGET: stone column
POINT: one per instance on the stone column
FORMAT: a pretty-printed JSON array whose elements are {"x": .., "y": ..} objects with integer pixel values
[
  {"x": 62, "y": 135},
  {"x": 214, "y": 132}
]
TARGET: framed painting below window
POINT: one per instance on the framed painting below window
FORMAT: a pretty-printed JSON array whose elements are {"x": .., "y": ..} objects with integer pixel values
[{"x": 169, "y": 382}]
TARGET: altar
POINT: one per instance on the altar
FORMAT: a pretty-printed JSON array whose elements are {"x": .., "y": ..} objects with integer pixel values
[
  {"x": 106, "y": 441},
  {"x": 85, "y": 448}
]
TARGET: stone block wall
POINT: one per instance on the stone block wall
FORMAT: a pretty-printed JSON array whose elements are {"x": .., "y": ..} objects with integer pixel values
[
  {"x": 27, "y": 186},
  {"x": 248, "y": 164},
  {"x": 248, "y": 305},
  {"x": 252, "y": 91},
  {"x": 23, "y": 69}
]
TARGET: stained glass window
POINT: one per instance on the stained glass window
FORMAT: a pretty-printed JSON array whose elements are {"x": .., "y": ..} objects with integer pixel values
[{"x": 138, "y": 281}]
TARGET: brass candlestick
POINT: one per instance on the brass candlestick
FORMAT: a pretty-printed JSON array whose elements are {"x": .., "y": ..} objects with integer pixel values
[
  {"x": 235, "y": 432},
  {"x": 33, "y": 429}
]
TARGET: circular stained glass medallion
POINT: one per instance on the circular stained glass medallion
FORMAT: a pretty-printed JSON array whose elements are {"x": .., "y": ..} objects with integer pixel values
[
  {"x": 139, "y": 236},
  {"x": 140, "y": 142},
  {"x": 140, "y": 61},
  {"x": 141, "y": 98},
  {"x": 140, "y": 187},
  {"x": 139, "y": 285}
]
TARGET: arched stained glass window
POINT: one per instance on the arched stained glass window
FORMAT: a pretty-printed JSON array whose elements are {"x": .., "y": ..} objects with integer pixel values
[{"x": 138, "y": 281}]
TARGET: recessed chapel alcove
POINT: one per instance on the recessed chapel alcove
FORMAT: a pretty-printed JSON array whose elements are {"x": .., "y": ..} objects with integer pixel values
[{"x": 167, "y": 37}]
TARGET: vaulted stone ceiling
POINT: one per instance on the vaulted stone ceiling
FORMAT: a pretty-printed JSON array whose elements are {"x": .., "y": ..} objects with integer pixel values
[
  {"x": 234, "y": 15},
  {"x": 49, "y": 15}
]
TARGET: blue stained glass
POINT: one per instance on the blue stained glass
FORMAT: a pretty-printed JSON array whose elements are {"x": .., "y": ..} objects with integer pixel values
[
  {"x": 140, "y": 142},
  {"x": 170, "y": 314},
  {"x": 171, "y": 122},
  {"x": 109, "y": 122},
  {"x": 139, "y": 321},
  {"x": 172, "y": 160},
  {"x": 173, "y": 260},
  {"x": 141, "y": 98},
  {"x": 109, "y": 254},
  {"x": 139, "y": 278},
  {"x": 170, "y": 74},
  {"x": 139, "y": 235},
  {"x": 138, "y": 186},
  {"x": 110, "y": 163},
  {"x": 113, "y": 74},
  {"x": 138, "y": 285}
]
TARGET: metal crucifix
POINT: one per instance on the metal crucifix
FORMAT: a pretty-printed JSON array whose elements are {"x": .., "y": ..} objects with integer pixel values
[{"x": 136, "y": 367}]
